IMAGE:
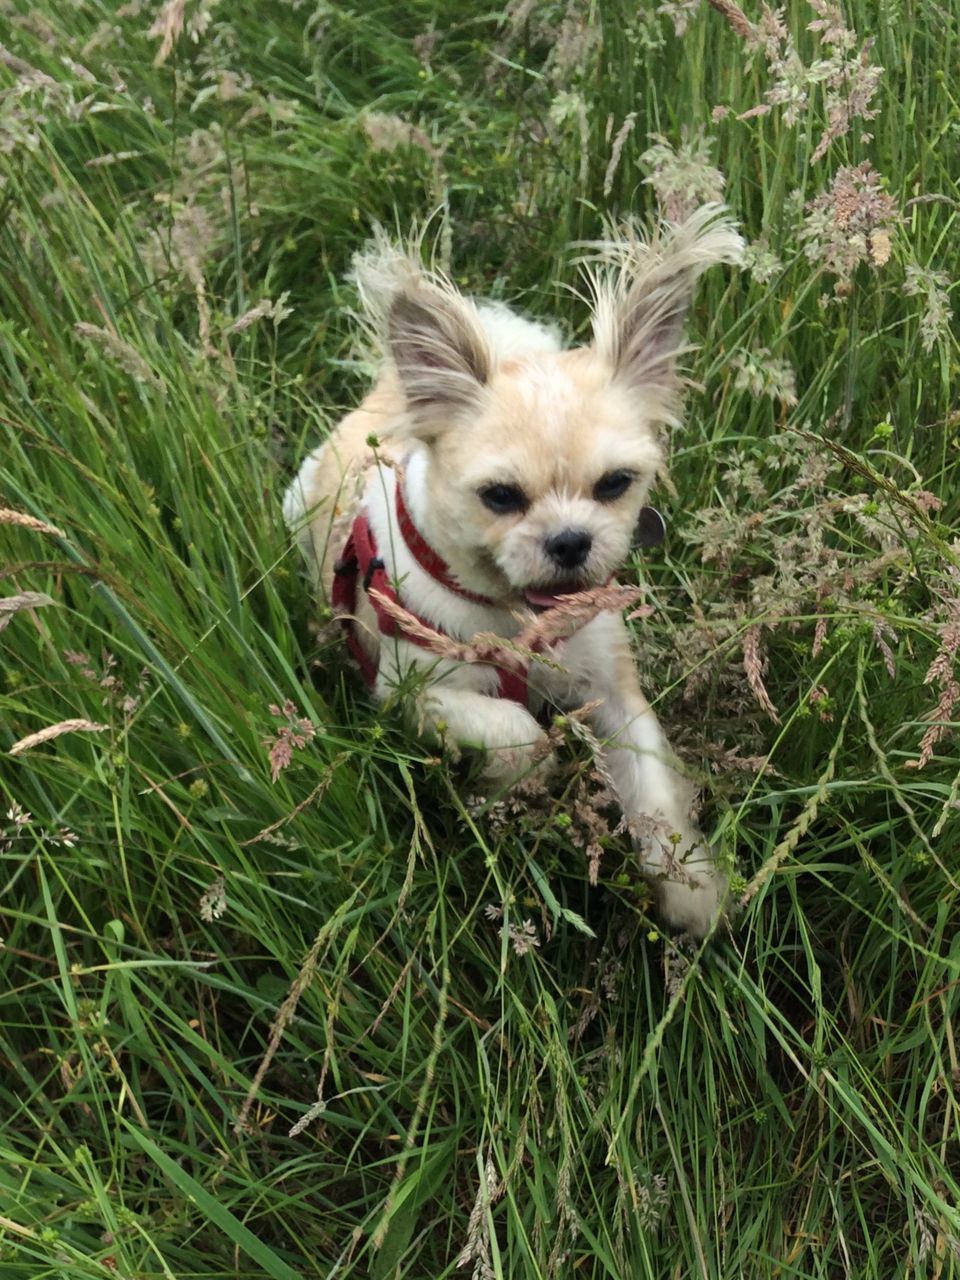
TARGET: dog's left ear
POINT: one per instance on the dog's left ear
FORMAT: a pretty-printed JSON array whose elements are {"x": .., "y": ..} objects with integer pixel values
[{"x": 641, "y": 294}]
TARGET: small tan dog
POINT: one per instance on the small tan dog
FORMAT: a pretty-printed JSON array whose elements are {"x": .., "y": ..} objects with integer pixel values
[{"x": 509, "y": 473}]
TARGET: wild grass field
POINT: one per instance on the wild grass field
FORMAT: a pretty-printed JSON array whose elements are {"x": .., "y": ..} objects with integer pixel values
[{"x": 281, "y": 995}]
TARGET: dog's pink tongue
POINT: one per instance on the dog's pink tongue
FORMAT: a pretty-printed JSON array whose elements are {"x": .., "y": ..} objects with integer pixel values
[{"x": 542, "y": 599}]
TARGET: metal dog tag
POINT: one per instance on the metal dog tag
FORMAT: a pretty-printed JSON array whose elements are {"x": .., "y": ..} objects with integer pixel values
[{"x": 651, "y": 528}]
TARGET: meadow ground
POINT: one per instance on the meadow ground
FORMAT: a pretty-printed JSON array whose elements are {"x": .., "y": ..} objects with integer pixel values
[{"x": 349, "y": 1020}]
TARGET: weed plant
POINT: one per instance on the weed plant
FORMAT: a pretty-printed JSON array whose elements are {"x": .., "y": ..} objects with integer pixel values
[{"x": 281, "y": 994}]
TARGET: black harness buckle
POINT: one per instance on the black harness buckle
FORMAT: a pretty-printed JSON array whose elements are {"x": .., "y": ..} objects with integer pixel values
[
  {"x": 375, "y": 565},
  {"x": 349, "y": 565}
]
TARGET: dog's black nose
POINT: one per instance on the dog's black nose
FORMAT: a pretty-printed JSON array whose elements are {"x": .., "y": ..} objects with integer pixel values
[{"x": 570, "y": 548}]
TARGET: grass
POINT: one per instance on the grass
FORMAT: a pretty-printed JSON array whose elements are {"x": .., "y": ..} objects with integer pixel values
[{"x": 204, "y": 953}]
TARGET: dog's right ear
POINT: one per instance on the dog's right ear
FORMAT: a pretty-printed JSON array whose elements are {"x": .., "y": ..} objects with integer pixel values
[
  {"x": 440, "y": 352},
  {"x": 431, "y": 333}
]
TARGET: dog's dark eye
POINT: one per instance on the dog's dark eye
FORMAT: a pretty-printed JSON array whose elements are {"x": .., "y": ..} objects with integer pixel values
[
  {"x": 612, "y": 486},
  {"x": 504, "y": 499}
]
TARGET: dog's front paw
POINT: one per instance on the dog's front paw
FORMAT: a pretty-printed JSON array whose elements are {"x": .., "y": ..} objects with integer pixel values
[
  {"x": 531, "y": 760},
  {"x": 690, "y": 888},
  {"x": 692, "y": 904},
  {"x": 511, "y": 742}
]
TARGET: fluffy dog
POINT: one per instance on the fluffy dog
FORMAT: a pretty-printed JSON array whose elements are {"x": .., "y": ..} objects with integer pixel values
[{"x": 491, "y": 472}]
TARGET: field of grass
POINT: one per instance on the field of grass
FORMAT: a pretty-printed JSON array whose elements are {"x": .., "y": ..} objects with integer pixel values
[{"x": 353, "y": 1021}]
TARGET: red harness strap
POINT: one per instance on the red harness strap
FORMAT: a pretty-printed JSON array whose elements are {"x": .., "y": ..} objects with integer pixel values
[
  {"x": 361, "y": 563},
  {"x": 360, "y": 556},
  {"x": 427, "y": 558}
]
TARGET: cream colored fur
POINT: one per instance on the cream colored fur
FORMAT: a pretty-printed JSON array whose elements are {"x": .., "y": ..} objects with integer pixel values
[{"x": 472, "y": 396}]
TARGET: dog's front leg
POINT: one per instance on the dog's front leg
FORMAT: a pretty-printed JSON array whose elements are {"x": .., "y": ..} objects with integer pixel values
[
  {"x": 512, "y": 739},
  {"x": 656, "y": 801}
]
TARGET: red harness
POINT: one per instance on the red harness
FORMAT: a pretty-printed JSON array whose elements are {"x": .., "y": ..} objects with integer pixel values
[{"x": 361, "y": 563}]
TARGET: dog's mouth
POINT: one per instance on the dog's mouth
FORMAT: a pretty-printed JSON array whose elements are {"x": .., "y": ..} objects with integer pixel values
[{"x": 540, "y": 600}]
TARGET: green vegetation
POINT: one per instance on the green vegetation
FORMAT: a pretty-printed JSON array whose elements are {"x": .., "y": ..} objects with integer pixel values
[{"x": 516, "y": 1068}]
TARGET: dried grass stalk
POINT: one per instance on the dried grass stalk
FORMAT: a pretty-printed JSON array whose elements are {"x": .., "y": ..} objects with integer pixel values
[
  {"x": 940, "y": 725},
  {"x": 532, "y": 643},
  {"x": 9, "y": 605},
  {"x": 735, "y": 16},
  {"x": 121, "y": 353},
  {"x": 55, "y": 731},
  {"x": 623, "y": 133},
  {"x": 29, "y": 522},
  {"x": 167, "y": 27},
  {"x": 753, "y": 666}
]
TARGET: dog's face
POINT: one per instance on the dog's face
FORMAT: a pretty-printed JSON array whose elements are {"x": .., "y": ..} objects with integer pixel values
[
  {"x": 536, "y": 462},
  {"x": 541, "y": 482}
]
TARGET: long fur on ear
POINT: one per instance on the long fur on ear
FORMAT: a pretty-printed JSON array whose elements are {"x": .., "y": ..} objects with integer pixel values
[
  {"x": 640, "y": 290},
  {"x": 432, "y": 334},
  {"x": 439, "y": 349}
]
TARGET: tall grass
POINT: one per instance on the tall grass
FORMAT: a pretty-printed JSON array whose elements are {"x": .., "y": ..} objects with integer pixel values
[{"x": 484, "y": 1059}]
